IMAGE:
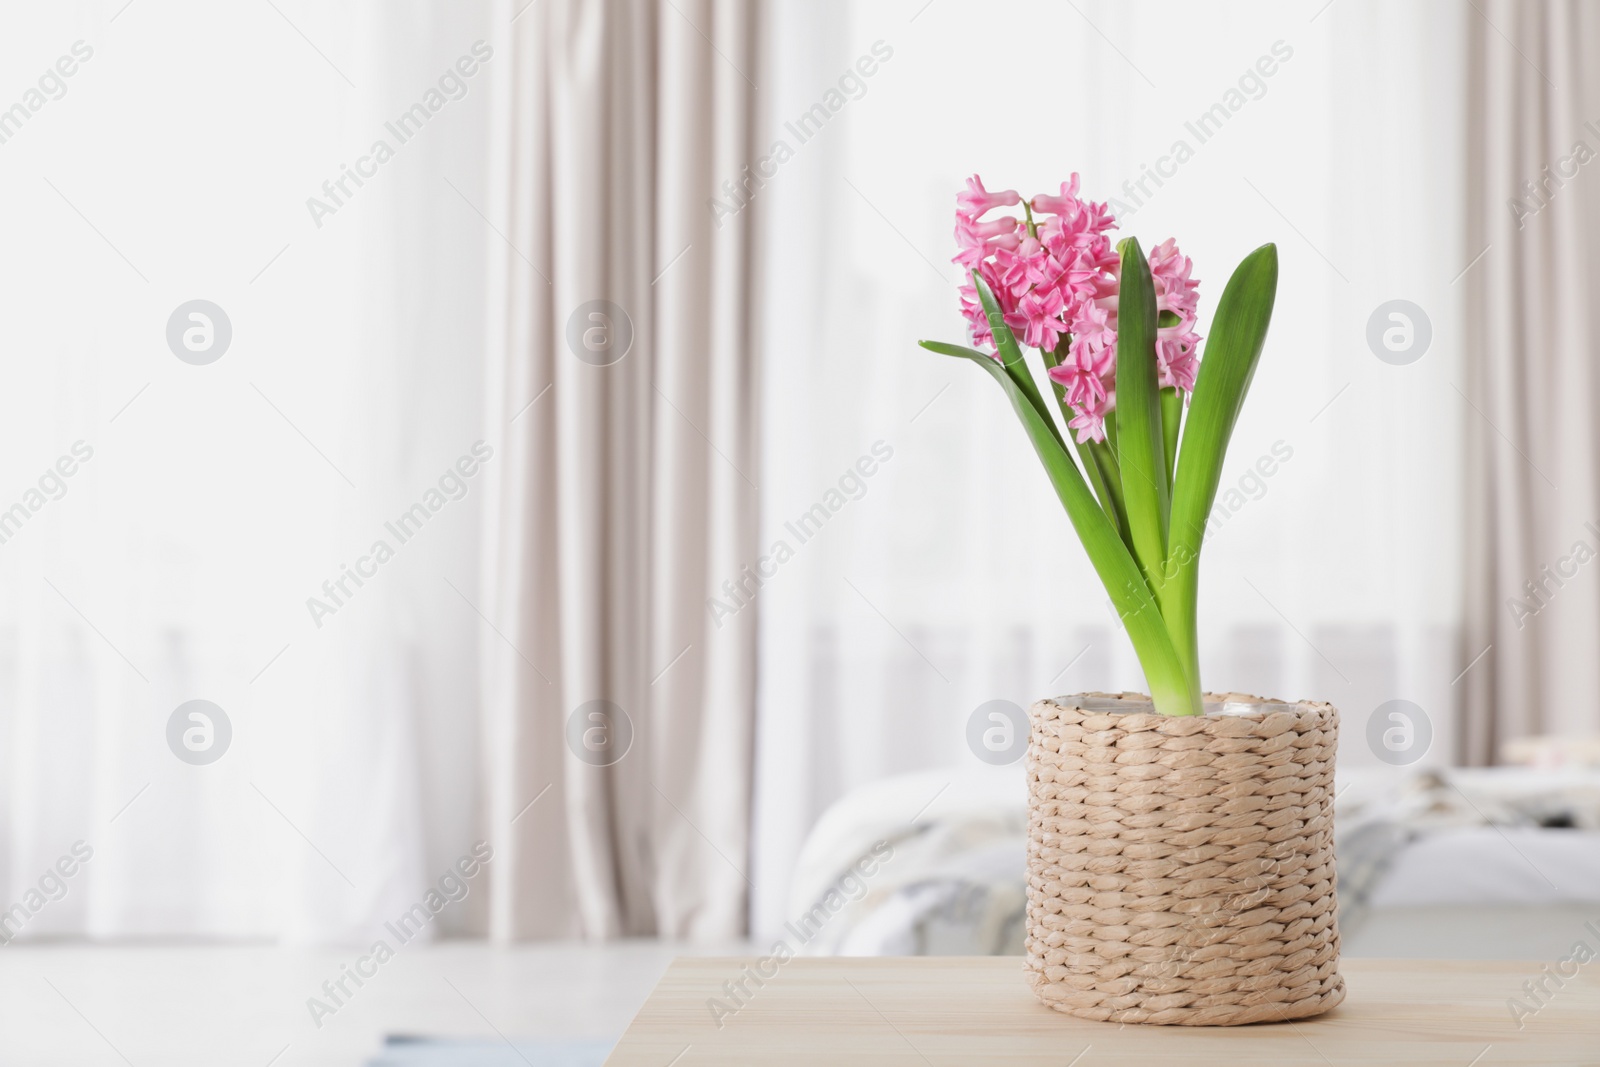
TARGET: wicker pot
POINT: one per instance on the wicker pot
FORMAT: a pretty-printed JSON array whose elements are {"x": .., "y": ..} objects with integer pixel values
[{"x": 1180, "y": 870}]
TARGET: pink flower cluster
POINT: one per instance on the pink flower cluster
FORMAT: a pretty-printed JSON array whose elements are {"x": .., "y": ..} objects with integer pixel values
[{"x": 1055, "y": 275}]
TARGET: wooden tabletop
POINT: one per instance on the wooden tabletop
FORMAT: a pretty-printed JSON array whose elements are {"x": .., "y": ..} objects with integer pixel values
[{"x": 944, "y": 1012}]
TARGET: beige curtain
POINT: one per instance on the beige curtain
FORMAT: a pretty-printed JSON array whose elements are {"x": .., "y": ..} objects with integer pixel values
[
  {"x": 627, "y": 476},
  {"x": 1533, "y": 386}
]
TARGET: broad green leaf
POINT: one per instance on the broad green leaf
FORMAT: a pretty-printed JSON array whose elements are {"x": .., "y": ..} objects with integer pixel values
[
  {"x": 1141, "y": 453},
  {"x": 1117, "y": 571},
  {"x": 1232, "y": 352},
  {"x": 1231, "y": 355}
]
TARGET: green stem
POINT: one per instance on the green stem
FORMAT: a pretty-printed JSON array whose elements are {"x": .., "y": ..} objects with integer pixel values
[
  {"x": 1172, "y": 693},
  {"x": 1183, "y": 629},
  {"x": 1105, "y": 460},
  {"x": 1171, "y": 419},
  {"x": 1178, "y": 593}
]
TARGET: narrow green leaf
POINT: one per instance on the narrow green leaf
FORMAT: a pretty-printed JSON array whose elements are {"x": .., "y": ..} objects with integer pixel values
[
  {"x": 1232, "y": 352},
  {"x": 1116, "y": 568},
  {"x": 1104, "y": 459},
  {"x": 953, "y": 350},
  {"x": 1106, "y": 488},
  {"x": 1171, "y": 420},
  {"x": 1140, "y": 452},
  {"x": 1010, "y": 352}
]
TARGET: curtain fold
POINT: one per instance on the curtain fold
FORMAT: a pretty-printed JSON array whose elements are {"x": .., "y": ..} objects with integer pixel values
[
  {"x": 1533, "y": 444},
  {"x": 621, "y": 370}
]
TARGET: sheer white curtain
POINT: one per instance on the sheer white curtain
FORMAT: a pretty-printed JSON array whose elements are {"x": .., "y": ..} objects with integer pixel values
[
  {"x": 177, "y": 165},
  {"x": 954, "y": 578}
]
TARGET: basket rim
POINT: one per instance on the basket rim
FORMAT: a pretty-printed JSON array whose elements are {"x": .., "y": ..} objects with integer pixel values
[{"x": 1267, "y": 705}]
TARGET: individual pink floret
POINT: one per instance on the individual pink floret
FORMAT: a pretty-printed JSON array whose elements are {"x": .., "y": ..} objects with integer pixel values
[{"x": 975, "y": 199}]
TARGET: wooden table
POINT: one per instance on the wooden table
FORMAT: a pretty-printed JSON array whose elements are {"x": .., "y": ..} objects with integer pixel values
[{"x": 944, "y": 1012}]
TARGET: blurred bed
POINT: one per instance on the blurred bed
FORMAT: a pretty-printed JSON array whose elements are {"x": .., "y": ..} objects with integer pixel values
[{"x": 1494, "y": 863}]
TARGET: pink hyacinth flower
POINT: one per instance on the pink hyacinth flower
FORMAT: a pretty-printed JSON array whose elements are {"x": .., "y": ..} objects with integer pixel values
[
  {"x": 977, "y": 322},
  {"x": 972, "y": 307},
  {"x": 1059, "y": 278},
  {"x": 975, "y": 199},
  {"x": 1087, "y": 394},
  {"x": 1094, "y": 341},
  {"x": 1065, "y": 204},
  {"x": 1169, "y": 270},
  {"x": 1038, "y": 318},
  {"x": 1025, "y": 267},
  {"x": 1177, "y": 357},
  {"x": 980, "y": 240}
]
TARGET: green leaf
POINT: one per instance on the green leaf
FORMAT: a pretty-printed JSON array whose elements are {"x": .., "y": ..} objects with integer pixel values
[
  {"x": 1116, "y": 568},
  {"x": 955, "y": 350},
  {"x": 1010, "y": 352},
  {"x": 1141, "y": 454},
  {"x": 1171, "y": 421},
  {"x": 1107, "y": 488},
  {"x": 1232, "y": 352},
  {"x": 1104, "y": 459}
]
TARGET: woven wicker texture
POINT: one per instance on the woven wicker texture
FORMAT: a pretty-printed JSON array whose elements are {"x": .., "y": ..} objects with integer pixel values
[{"x": 1180, "y": 869}]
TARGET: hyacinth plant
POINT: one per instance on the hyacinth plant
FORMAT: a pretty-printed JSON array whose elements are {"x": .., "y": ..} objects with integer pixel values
[{"x": 1145, "y": 415}]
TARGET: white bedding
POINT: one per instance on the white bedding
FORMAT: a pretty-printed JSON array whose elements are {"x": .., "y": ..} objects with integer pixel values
[
  {"x": 1493, "y": 836},
  {"x": 1443, "y": 850},
  {"x": 952, "y": 885},
  {"x": 1492, "y": 865}
]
